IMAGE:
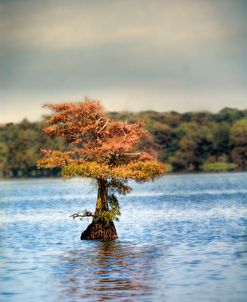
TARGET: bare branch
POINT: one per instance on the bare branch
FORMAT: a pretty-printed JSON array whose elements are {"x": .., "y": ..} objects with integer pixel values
[
  {"x": 102, "y": 128},
  {"x": 85, "y": 213},
  {"x": 125, "y": 134},
  {"x": 132, "y": 155}
]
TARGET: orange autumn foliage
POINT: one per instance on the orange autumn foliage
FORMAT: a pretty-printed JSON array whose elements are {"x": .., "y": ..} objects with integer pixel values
[{"x": 100, "y": 148}]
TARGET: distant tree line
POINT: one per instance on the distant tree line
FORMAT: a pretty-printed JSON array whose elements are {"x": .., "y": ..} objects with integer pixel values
[{"x": 191, "y": 141}]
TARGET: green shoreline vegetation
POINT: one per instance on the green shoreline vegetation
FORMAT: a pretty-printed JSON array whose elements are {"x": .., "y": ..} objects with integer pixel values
[{"x": 186, "y": 142}]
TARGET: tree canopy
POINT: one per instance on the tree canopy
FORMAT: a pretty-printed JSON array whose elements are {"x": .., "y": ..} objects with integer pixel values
[{"x": 100, "y": 147}]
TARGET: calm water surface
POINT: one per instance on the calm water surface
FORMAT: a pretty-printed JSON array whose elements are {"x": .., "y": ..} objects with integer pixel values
[{"x": 181, "y": 238}]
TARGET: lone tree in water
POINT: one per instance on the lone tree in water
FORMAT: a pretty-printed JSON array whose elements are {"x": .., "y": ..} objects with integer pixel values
[{"x": 102, "y": 149}]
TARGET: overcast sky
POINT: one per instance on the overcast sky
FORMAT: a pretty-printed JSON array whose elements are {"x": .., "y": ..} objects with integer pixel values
[{"x": 131, "y": 54}]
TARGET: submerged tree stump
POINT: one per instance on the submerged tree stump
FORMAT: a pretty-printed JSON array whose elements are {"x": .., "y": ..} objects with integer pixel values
[{"x": 100, "y": 230}]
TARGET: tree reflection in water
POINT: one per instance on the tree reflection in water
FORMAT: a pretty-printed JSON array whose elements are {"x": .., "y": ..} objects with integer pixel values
[{"x": 108, "y": 271}]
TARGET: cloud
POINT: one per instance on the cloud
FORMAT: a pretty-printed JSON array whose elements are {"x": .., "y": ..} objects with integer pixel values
[
  {"x": 176, "y": 53},
  {"x": 169, "y": 25}
]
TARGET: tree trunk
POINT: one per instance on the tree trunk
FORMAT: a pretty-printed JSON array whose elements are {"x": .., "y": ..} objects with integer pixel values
[{"x": 99, "y": 228}]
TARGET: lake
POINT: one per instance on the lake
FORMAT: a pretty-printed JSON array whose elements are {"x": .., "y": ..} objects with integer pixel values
[{"x": 181, "y": 238}]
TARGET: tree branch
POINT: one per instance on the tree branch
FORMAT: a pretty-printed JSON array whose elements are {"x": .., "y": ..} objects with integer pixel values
[
  {"x": 85, "y": 213},
  {"x": 125, "y": 134},
  {"x": 102, "y": 128}
]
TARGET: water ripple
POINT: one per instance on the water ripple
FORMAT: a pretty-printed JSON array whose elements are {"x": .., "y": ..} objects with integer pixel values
[{"x": 182, "y": 238}]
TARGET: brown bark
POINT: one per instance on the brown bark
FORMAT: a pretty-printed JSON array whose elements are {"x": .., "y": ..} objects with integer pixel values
[
  {"x": 100, "y": 229},
  {"x": 101, "y": 204}
]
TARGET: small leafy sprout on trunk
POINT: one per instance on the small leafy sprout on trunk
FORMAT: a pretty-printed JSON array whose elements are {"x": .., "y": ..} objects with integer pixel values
[{"x": 102, "y": 149}]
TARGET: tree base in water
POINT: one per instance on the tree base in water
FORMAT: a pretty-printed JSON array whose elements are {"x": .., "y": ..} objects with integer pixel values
[{"x": 100, "y": 230}]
